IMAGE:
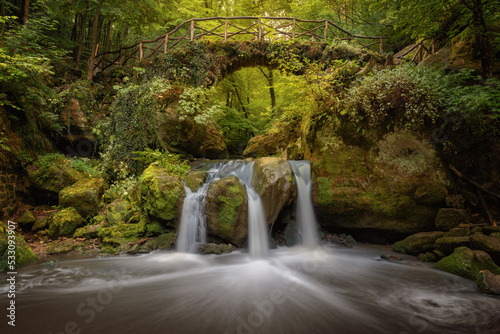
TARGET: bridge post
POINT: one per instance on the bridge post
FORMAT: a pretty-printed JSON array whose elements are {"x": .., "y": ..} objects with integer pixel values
[
  {"x": 382, "y": 46},
  {"x": 225, "y": 30},
  {"x": 293, "y": 30},
  {"x": 140, "y": 51},
  {"x": 260, "y": 30},
  {"x": 325, "y": 35},
  {"x": 192, "y": 29},
  {"x": 165, "y": 46}
]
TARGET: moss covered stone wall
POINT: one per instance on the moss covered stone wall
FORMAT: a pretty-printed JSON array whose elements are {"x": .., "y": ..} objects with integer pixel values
[{"x": 8, "y": 201}]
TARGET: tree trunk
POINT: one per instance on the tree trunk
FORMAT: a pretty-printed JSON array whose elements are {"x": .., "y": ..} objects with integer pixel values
[
  {"x": 81, "y": 37},
  {"x": 270, "y": 80},
  {"x": 483, "y": 44},
  {"x": 26, "y": 11},
  {"x": 95, "y": 36}
]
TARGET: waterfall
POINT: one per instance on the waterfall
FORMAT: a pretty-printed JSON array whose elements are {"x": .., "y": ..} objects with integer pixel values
[
  {"x": 306, "y": 218},
  {"x": 258, "y": 243},
  {"x": 192, "y": 230}
]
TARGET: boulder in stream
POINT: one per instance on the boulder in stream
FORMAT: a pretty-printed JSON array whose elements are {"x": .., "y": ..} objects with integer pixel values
[
  {"x": 226, "y": 208},
  {"x": 273, "y": 181}
]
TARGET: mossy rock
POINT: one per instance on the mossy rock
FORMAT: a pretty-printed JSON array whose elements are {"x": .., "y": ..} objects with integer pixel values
[
  {"x": 447, "y": 244},
  {"x": 467, "y": 263},
  {"x": 490, "y": 229},
  {"x": 87, "y": 232},
  {"x": 27, "y": 220},
  {"x": 226, "y": 208},
  {"x": 162, "y": 195},
  {"x": 155, "y": 229},
  {"x": 85, "y": 196},
  {"x": 448, "y": 218},
  {"x": 392, "y": 184},
  {"x": 48, "y": 182},
  {"x": 431, "y": 193},
  {"x": 462, "y": 230},
  {"x": 215, "y": 249},
  {"x": 118, "y": 210},
  {"x": 491, "y": 245},
  {"x": 162, "y": 242},
  {"x": 41, "y": 223},
  {"x": 273, "y": 180},
  {"x": 489, "y": 282},
  {"x": 427, "y": 257},
  {"x": 23, "y": 253},
  {"x": 122, "y": 234},
  {"x": 195, "y": 179},
  {"x": 65, "y": 223},
  {"x": 417, "y": 243}
]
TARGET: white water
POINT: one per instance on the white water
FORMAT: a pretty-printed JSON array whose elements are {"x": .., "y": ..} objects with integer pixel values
[
  {"x": 306, "y": 218},
  {"x": 192, "y": 230},
  {"x": 258, "y": 243}
]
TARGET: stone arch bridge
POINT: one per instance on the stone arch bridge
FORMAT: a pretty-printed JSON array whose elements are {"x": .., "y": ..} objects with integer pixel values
[{"x": 204, "y": 50}]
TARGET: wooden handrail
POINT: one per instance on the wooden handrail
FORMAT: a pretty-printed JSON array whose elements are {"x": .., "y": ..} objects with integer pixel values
[{"x": 259, "y": 30}]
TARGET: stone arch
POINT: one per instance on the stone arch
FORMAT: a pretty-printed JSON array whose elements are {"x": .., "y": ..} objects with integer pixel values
[{"x": 204, "y": 63}]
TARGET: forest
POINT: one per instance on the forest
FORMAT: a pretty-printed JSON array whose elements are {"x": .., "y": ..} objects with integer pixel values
[{"x": 168, "y": 130}]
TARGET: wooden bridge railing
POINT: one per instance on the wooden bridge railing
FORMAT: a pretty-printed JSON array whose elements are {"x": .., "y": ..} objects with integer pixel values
[{"x": 233, "y": 28}]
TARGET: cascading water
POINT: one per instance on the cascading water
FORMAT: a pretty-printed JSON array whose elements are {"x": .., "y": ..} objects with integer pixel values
[
  {"x": 306, "y": 218},
  {"x": 192, "y": 230},
  {"x": 258, "y": 243}
]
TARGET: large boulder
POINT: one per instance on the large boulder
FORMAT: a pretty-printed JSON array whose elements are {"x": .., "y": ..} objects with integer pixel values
[
  {"x": 273, "y": 181},
  {"x": 23, "y": 253},
  {"x": 395, "y": 184},
  {"x": 491, "y": 245},
  {"x": 448, "y": 218},
  {"x": 85, "y": 196},
  {"x": 161, "y": 195},
  {"x": 195, "y": 179},
  {"x": 418, "y": 243},
  {"x": 226, "y": 207},
  {"x": 119, "y": 210},
  {"x": 187, "y": 136},
  {"x": 65, "y": 223},
  {"x": 469, "y": 264},
  {"x": 49, "y": 176}
]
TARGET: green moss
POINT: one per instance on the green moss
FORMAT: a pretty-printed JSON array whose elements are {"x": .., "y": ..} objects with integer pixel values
[
  {"x": 122, "y": 233},
  {"x": 194, "y": 180},
  {"x": 467, "y": 263},
  {"x": 161, "y": 194},
  {"x": 84, "y": 195},
  {"x": 65, "y": 222},
  {"x": 448, "y": 244},
  {"x": 228, "y": 208},
  {"x": 23, "y": 253},
  {"x": 417, "y": 243}
]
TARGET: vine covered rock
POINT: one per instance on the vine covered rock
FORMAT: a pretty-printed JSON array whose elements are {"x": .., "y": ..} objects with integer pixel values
[{"x": 226, "y": 208}]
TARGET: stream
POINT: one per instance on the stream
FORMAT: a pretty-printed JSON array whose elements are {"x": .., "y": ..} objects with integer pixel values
[{"x": 294, "y": 290}]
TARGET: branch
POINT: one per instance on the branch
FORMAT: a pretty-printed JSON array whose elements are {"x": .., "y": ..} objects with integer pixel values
[{"x": 477, "y": 185}]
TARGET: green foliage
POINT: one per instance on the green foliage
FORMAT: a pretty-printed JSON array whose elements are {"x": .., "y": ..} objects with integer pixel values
[
  {"x": 194, "y": 102},
  {"x": 133, "y": 123},
  {"x": 48, "y": 160},
  {"x": 86, "y": 166},
  {"x": 173, "y": 163},
  {"x": 3, "y": 142},
  {"x": 406, "y": 96}
]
